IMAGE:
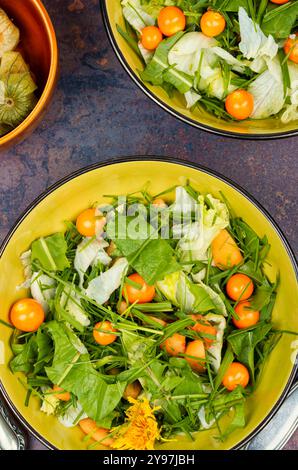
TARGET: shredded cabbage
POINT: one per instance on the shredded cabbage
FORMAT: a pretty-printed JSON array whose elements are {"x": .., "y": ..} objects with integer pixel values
[
  {"x": 291, "y": 110},
  {"x": 102, "y": 287},
  {"x": 254, "y": 43},
  {"x": 70, "y": 302},
  {"x": 199, "y": 235},
  {"x": 268, "y": 91},
  {"x": 215, "y": 348},
  {"x": 190, "y": 297},
  {"x": 191, "y": 97},
  {"x": 43, "y": 289},
  {"x": 71, "y": 415},
  {"x": 135, "y": 15},
  {"x": 185, "y": 55},
  {"x": 88, "y": 253}
]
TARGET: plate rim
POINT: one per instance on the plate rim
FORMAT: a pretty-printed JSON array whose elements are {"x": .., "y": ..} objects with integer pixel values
[
  {"x": 169, "y": 160},
  {"x": 171, "y": 110}
]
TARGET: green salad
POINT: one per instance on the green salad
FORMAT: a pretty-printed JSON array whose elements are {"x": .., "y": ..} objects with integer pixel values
[
  {"x": 149, "y": 317},
  {"x": 237, "y": 59}
]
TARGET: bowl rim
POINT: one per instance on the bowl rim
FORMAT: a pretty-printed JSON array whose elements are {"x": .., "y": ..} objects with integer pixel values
[
  {"x": 51, "y": 81},
  {"x": 170, "y": 109},
  {"x": 169, "y": 160}
]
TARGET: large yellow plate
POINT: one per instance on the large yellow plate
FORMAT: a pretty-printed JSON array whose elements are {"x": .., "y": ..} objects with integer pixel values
[
  {"x": 254, "y": 129},
  {"x": 75, "y": 193}
]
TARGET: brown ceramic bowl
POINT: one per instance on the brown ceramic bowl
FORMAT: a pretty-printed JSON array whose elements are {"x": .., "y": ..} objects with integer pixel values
[{"x": 39, "y": 47}]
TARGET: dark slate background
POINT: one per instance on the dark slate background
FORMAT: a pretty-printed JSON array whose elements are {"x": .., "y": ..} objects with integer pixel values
[{"x": 99, "y": 113}]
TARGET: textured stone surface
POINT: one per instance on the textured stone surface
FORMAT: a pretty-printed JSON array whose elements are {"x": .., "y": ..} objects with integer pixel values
[{"x": 99, "y": 113}]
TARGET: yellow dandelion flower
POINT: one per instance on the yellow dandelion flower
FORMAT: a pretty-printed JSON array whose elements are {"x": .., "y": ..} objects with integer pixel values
[{"x": 140, "y": 430}]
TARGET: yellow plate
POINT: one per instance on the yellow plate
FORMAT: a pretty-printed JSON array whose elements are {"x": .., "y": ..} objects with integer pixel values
[
  {"x": 255, "y": 129},
  {"x": 65, "y": 201}
]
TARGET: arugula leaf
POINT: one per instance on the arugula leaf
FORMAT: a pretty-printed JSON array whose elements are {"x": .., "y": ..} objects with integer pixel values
[
  {"x": 25, "y": 360},
  {"x": 243, "y": 344},
  {"x": 247, "y": 237},
  {"x": 252, "y": 246},
  {"x": 280, "y": 20},
  {"x": 230, "y": 5},
  {"x": 172, "y": 412},
  {"x": 190, "y": 384},
  {"x": 133, "y": 43},
  {"x": 45, "y": 351},
  {"x": 225, "y": 363},
  {"x": 222, "y": 404},
  {"x": 171, "y": 381},
  {"x": 238, "y": 420},
  {"x": 153, "y": 259},
  {"x": 266, "y": 311},
  {"x": 73, "y": 370},
  {"x": 262, "y": 296},
  {"x": 50, "y": 252},
  {"x": 248, "y": 268}
]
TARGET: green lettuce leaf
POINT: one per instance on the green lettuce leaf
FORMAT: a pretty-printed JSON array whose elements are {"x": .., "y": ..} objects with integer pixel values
[
  {"x": 230, "y": 5},
  {"x": 190, "y": 297},
  {"x": 200, "y": 57},
  {"x": 73, "y": 370},
  {"x": 224, "y": 404},
  {"x": 254, "y": 44},
  {"x": 185, "y": 55},
  {"x": 25, "y": 360},
  {"x": 68, "y": 307},
  {"x": 280, "y": 20},
  {"x": 158, "y": 70},
  {"x": 135, "y": 14},
  {"x": 32, "y": 356},
  {"x": 212, "y": 217},
  {"x": 243, "y": 344},
  {"x": 268, "y": 91},
  {"x": 290, "y": 112},
  {"x": 191, "y": 98},
  {"x": 214, "y": 351},
  {"x": 44, "y": 351},
  {"x": 140, "y": 351},
  {"x": 152, "y": 258},
  {"x": 101, "y": 287},
  {"x": 50, "y": 252},
  {"x": 43, "y": 289}
]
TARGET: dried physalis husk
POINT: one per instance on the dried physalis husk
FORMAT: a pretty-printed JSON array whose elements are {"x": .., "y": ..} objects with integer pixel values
[
  {"x": 9, "y": 34},
  {"x": 12, "y": 62},
  {"x": 5, "y": 129},
  {"x": 17, "y": 98}
]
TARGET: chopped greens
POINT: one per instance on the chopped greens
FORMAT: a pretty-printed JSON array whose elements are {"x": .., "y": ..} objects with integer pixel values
[
  {"x": 125, "y": 308},
  {"x": 205, "y": 67}
]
